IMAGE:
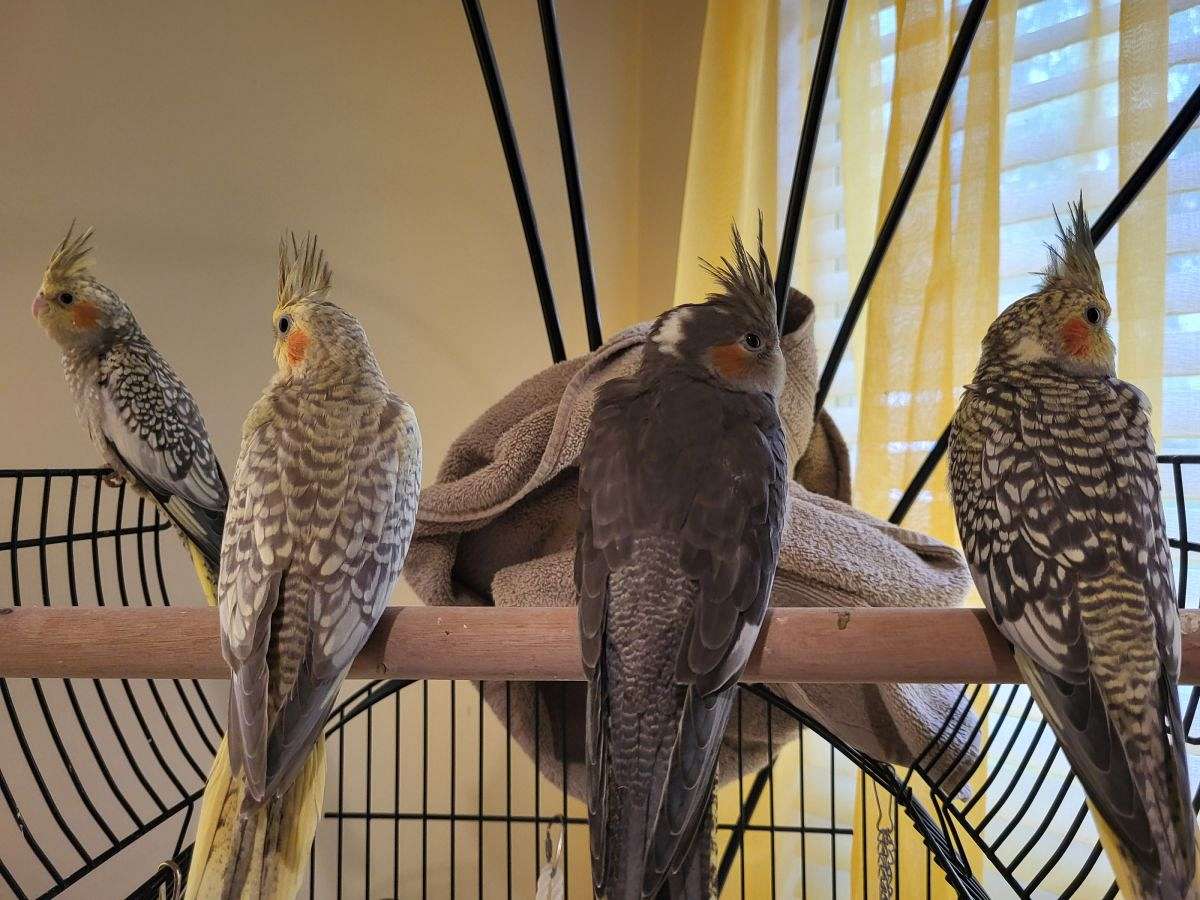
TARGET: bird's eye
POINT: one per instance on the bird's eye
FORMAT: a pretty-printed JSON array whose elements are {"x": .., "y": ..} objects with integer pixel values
[
  {"x": 752, "y": 340},
  {"x": 1092, "y": 314},
  {"x": 285, "y": 324},
  {"x": 66, "y": 298}
]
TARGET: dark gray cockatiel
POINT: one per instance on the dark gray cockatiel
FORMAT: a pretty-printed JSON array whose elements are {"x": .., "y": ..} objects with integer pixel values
[
  {"x": 1056, "y": 492},
  {"x": 682, "y": 489},
  {"x": 137, "y": 411}
]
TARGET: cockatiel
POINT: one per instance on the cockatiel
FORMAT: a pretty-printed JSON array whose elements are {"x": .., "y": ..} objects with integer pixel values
[
  {"x": 321, "y": 511},
  {"x": 1055, "y": 488},
  {"x": 682, "y": 487},
  {"x": 139, "y": 414}
]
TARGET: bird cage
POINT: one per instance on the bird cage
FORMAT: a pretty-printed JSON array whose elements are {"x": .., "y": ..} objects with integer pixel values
[
  {"x": 98, "y": 772},
  {"x": 101, "y": 778}
]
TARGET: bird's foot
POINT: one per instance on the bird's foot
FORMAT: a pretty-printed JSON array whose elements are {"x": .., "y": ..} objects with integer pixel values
[{"x": 112, "y": 479}]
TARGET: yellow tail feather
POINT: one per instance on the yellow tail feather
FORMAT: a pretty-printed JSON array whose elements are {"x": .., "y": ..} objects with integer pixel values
[
  {"x": 1129, "y": 885},
  {"x": 264, "y": 848},
  {"x": 205, "y": 572}
]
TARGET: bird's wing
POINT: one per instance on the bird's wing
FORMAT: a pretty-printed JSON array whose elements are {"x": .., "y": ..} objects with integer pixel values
[
  {"x": 352, "y": 572},
  {"x": 1055, "y": 496},
  {"x": 1143, "y": 542},
  {"x": 255, "y": 554},
  {"x": 603, "y": 475},
  {"x": 153, "y": 426},
  {"x": 731, "y": 537},
  {"x": 684, "y": 460},
  {"x": 279, "y": 563}
]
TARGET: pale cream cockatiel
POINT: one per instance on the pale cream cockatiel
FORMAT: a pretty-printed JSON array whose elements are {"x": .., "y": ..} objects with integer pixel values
[{"x": 321, "y": 510}]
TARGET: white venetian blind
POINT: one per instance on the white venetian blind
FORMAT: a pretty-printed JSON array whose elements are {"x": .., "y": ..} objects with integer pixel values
[{"x": 1060, "y": 138}]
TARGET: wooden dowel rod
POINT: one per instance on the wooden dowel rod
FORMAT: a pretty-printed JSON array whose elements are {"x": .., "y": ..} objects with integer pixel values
[{"x": 800, "y": 645}]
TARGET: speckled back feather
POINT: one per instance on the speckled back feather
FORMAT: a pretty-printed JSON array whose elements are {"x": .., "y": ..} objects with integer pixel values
[{"x": 304, "y": 273}]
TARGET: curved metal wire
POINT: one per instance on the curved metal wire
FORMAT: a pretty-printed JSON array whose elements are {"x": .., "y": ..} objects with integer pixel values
[
  {"x": 904, "y": 190},
  {"x": 806, "y": 151},
  {"x": 132, "y": 733},
  {"x": 516, "y": 174},
  {"x": 1180, "y": 124},
  {"x": 78, "y": 759},
  {"x": 98, "y": 765},
  {"x": 566, "y": 142}
]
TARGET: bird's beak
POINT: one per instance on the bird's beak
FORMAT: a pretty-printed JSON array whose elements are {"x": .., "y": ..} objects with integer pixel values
[{"x": 39, "y": 305}]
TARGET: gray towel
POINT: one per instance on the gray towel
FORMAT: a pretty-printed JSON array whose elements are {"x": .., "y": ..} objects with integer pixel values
[{"x": 498, "y": 528}]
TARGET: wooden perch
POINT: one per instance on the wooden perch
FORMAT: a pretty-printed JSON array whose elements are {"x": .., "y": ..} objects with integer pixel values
[{"x": 813, "y": 645}]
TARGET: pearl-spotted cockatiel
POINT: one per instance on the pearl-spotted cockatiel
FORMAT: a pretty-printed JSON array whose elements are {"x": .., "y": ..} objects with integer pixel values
[
  {"x": 1056, "y": 493},
  {"x": 682, "y": 487},
  {"x": 321, "y": 510},
  {"x": 139, "y": 414}
]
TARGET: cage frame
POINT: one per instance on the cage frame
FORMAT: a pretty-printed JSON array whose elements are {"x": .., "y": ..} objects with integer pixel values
[{"x": 950, "y": 822}]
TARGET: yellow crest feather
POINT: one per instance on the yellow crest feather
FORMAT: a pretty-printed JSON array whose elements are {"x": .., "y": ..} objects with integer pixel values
[
  {"x": 72, "y": 257},
  {"x": 304, "y": 273}
]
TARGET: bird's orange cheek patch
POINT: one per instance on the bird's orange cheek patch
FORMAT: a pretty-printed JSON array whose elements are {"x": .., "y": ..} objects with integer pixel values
[
  {"x": 297, "y": 346},
  {"x": 731, "y": 360},
  {"x": 1077, "y": 337},
  {"x": 84, "y": 315}
]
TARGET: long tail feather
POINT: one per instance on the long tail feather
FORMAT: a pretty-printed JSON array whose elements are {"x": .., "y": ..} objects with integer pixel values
[
  {"x": 205, "y": 571},
  {"x": 1131, "y": 884},
  {"x": 247, "y": 851}
]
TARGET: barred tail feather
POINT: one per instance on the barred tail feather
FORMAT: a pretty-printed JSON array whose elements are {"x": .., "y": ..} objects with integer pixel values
[
  {"x": 246, "y": 851},
  {"x": 1143, "y": 785},
  {"x": 1131, "y": 884},
  {"x": 206, "y": 571}
]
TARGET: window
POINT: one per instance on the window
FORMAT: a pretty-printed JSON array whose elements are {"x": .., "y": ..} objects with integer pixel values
[{"x": 1060, "y": 136}]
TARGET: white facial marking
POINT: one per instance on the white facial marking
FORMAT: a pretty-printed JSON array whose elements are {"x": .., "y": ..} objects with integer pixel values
[
  {"x": 670, "y": 334},
  {"x": 1030, "y": 349}
]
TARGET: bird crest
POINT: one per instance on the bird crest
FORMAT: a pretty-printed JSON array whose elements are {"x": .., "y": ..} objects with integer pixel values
[
  {"x": 745, "y": 279},
  {"x": 304, "y": 273},
  {"x": 72, "y": 257},
  {"x": 1073, "y": 266}
]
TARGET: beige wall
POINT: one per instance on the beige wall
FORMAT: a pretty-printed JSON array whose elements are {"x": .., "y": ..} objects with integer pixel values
[{"x": 192, "y": 134}]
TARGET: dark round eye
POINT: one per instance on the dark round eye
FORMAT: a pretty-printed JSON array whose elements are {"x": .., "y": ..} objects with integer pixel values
[
  {"x": 66, "y": 298},
  {"x": 752, "y": 340},
  {"x": 1092, "y": 314},
  {"x": 285, "y": 324}
]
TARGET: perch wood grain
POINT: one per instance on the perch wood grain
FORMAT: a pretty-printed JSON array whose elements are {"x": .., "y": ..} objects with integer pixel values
[{"x": 800, "y": 645}]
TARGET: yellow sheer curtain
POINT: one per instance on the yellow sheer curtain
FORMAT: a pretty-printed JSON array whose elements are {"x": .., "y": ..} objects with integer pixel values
[
  {"x": 1142, "y": 243},
  {"x": 938, "y": 288},
  {"x": 936, "y": 291},
  {"x": 940, "y": 284},
  {"x": 731, "y": 160}
]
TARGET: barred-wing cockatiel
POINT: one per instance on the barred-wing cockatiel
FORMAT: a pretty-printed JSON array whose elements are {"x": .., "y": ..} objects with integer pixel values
[
  {"x": 322, "y": 507},
  {"x": 138, "y": 413},
  {"x": 682, "y": 488},
  {"x": 1056, "y": 492}
]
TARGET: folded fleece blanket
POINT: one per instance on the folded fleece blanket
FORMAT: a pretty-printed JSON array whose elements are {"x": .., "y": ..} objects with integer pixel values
[{"x": 498, "y": 528}]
